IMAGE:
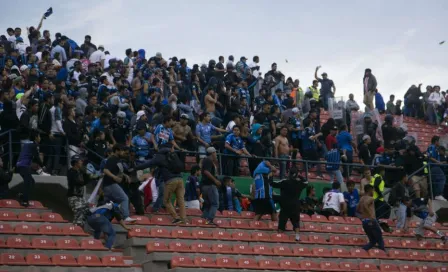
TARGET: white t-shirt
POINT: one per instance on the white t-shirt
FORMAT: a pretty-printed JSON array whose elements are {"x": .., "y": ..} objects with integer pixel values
[
  {"x": 230, "y": 125},
  {"x": 333, "y": 200},
  {"x": 39, "y": 55},
  {"x": 97, "y": 56},
  {"x": 255, "y": 73}
]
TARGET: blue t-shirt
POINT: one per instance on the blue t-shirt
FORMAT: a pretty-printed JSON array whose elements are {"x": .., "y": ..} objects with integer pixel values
[
  {"x": 295, "y": 122},
  {"x": 308, "y": 144},
  {"x": 235, "y": 142},
  {"x": 379, "y": 102},
  {"x": 141, "y": 144},
  {"x": 163, "y": 135},
  {"x": 96, "y": 125},
  {"x": 384, "y": 160},
  {"x": 345, "y": 141},
  {"x": 325, "y": 86},
  {"x": 205, "y": 132},
  {"x": 229, "y": 198},
  {"x": 352, "y": 200},
  {"x": 433, "y": 152}
]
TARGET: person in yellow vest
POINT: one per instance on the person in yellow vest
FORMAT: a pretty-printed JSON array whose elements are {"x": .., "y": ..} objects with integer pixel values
[
  {"x": 381, "y": 207},
  {"x": 314, "y": 90}
]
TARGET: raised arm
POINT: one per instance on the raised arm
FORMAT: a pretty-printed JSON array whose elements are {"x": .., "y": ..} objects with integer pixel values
[{"x": 315, "y": 73}]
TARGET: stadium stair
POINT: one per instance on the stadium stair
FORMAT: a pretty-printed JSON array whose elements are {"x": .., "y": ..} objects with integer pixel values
[{"x": 36, "y": 239}]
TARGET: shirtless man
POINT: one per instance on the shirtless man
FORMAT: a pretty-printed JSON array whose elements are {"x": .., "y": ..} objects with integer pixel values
[
  {"x": 172, "y": 100},
  {"x": 182, "y": 131},
  {"x": 281, "y": 150},
  {"x": 211, "y": 99},
  {"x": 366, "y": 210}
]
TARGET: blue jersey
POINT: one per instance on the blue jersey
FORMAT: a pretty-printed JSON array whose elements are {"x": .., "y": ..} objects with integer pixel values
[
  {"x": 235, "y": 142},
  {"x": 142, "y": 146},
  {"x": 205, "y": 132},
  {"x": 352, "y": 200},
  {"x": 163, "y": 135},
  {"x": 334, "y": 159}
]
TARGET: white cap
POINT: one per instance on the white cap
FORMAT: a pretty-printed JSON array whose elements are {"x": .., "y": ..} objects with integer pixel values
[
  {"x": 23, "y": 68},
  {"x": 295, "y": 110},
  {"x": 365, "y": 137},
  {"x": 140, "y": 114}
]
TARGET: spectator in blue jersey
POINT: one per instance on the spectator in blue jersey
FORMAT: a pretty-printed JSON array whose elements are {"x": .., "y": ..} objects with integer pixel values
[
  {"x": 163, "y": 133},
  {"x": 333, "y": 165},
  {"x": 379, "y": 102},
  {"x": 28, "y": 155},
  {"x": 437, "y": 176},
  {"x": 100, "y": 221},
  {"x": 204, "y": 131},
  {"x": 229, "y": 196},
  {"x": 192, "y": 189},
  {"x": 142, "y": 142},
  {"x": 100, "y": 124},
  {"x": 234, "y": 148},
  {"x": 244, "y": 92},
  {"x": 277, "y": 98},
  {"x": 309, "y": 145},
  {"x": 352, "y": 198},
  {"x": 347, "y": 145}
]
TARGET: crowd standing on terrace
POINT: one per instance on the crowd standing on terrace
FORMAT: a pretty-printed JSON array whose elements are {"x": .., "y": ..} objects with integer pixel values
[{"x": 124, "y": 113}]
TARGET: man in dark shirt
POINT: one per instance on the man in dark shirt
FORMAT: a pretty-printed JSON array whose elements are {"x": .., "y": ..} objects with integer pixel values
[
  {"x": 364, "y": 152},
  {"x": 77, "y": 179},
  {"x": 290, "y": 190},
  {"x": 44, "y": 123},
  {"x": 210, "y": 186},
  {"x": 113, "y": 174}
]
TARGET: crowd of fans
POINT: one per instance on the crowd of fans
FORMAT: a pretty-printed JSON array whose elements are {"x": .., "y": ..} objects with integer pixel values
[{"x": 122, "y": 113}]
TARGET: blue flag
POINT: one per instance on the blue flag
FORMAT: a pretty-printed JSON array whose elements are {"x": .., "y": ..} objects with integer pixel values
[{"x": 48, "y": 13}]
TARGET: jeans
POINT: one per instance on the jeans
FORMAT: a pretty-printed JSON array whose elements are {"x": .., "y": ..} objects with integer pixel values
[
  {"x": 175, "y": 186},
  {"x": 100, "y": 224},
  {"x": 347, "y": 169},
  {"x": 28, "y": 182},
  {"x": 438, "y": 179},
  {"x": 116, "y": 194},
  {"x": 373, "y": 232},
  {"x": 400, "y": 213},
  {"x": 55, "y": 154},
  {"x": 211, "y": 201},
  {"x": 336, "y": 174},
  {"x": 283, "y": 165},
  {"x": 158, "y": 204},
  {"x": 324, "y": 100}
]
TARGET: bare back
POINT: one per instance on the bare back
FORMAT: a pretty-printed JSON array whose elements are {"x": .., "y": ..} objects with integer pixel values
[
  {"x": 210, "y": 103},
  {"x": 366, "y": 207}
]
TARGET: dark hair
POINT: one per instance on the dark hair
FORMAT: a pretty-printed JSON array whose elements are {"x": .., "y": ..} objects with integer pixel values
[
  {"x": 315, "y": 81},
  {"x": 81, "y": 77},
  {"x": 435, "y": 139},
  {"x": 335, "y": 185},
  {"x": 226, "y": 178},
  {"x": 221, "y": 58},
  {"x": 97, "y": 133},
  {"x": 155, "y": 81},
  {"x": 350, "y": 183},
  {"x": 235, "y": 116},
  {"x": 236, "y": 126},
  {"x": 255, "y": 58},
  {"x": 392, "y": 96},
  {"x": 194, "y": 169},
  {"x": 104, "y": 116},
  {"x": 343, "y": 127},
  {"x": 380, "y": 169},
  {"x": 9, "y": 29},
  {"x": 167, "y": 119},
  {"x": 128, "y": 51},
  {"x": 203, "y": 115},
  {"x": 87, "y": 37},
  {"x": 308, "y": 189},
  {"x": 368, "y": 188},
  {"x": 306, "y": 122},
  {"x": 103, "y": 78},
  {"x": 118, "y": 147}
]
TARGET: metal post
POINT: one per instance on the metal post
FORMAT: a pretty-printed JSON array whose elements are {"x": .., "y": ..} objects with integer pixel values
[
  {"x": 10, "y": 149},
  {"x": 306, "y": 169},
  {"x": 220, "y": 163}
]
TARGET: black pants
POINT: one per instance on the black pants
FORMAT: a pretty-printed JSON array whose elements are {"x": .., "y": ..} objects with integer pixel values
[
  {"x": 131, "y": 189},
  {"x": 329, "y": 212},
  {"x": 232, "y": 166},
  {"x": 289, "y": 212},
  {"x": 54, "y": 156},
  {"x": 28, "y": 181},
  {"x": 373, "y": 232}
]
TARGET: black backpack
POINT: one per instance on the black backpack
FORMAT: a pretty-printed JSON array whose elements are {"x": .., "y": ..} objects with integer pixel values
[{"x": 175, "y": 165}]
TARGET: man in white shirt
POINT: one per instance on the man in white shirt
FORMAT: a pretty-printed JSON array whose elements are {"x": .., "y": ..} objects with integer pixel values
[
  {"x": 255, "y": 67},
  {"x": 98, "y": 56},
  {"x": 334, "y": 203},
  {"x": 21, "y": 46},
  {"x": 235, "y": 121}
]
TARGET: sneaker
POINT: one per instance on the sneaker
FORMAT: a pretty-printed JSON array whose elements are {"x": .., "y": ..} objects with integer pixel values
[
  {"x": 440, "y": 197},
  {"x": 211, "y": 223},
  {"x": 41, "y": 172},
  {"x": 130, "y": 220},
  {"x": 297, "y": 237},
  {"x": 177, "y": 221}
]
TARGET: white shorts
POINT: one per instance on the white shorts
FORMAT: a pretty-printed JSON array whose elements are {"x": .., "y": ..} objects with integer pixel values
[
  {"x": 202, "y": 150},
  {"x": 194, "y": 204}
]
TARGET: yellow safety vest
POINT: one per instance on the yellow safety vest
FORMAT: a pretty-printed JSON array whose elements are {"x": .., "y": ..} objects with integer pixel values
[
  {"x": 315, "y": 93},
  {"x": 381, "y": 187},
  {"x": 425, "y": 170}
]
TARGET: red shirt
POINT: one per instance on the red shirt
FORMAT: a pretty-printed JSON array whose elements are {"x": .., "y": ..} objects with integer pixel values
[{"x": 330, "y": 141}]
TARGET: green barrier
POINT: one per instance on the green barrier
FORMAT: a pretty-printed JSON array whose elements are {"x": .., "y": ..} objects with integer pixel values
[{"x": 243, "y": 185}]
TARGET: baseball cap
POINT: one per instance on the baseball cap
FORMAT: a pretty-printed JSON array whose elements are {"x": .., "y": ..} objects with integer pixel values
[
  {"x": 211, "y": 150},
  {"x": 243, "y": 58},
  {"x": 100, "y": 46},
  {"x": 295, "y": 110},
  {"x": 140, "y": 114},
  {"x": 334, "y": 128},
  {"x": 365, "y": 137},
  {"x": 324, "y": 74},
  {"x": 158, "y": 54},
  {"x": 121, "y": 114},
  {"x": 184, "y": 116},
  {"x": 380, "y": 149},
  {"x": 23, "y": 68}
]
